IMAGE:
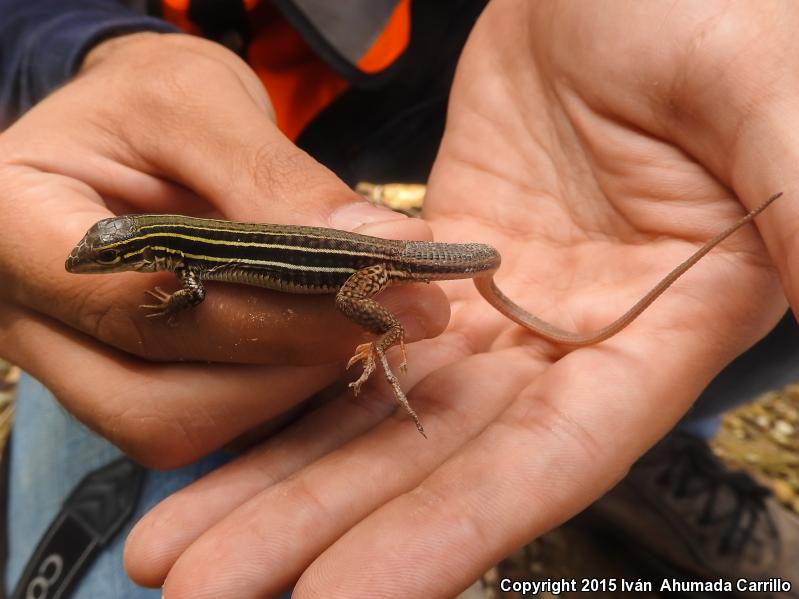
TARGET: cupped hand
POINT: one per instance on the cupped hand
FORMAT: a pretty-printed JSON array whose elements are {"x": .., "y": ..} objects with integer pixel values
[
  {"x": 170, "y": 123},
  {"x": 597, "y": 146}
]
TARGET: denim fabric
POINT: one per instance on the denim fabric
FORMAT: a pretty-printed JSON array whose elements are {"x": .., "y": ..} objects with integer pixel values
[
  {"x": 50, "y": 453},
  {"x": 703, "y": 428}
]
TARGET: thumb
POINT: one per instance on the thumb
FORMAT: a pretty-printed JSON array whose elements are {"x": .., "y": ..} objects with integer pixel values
[{"x": 762, "y": 154}]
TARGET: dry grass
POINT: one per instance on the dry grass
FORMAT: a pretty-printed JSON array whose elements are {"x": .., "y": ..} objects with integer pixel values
[
  {"x": 9, "y": 375},
  {"x": 762, "y": 438}
]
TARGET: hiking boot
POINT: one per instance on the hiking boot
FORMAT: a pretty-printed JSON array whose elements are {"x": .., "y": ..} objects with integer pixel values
[{"x": 691, "y": 519}]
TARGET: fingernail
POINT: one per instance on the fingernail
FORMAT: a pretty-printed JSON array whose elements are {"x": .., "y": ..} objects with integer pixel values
[{"x": 351, "y": 216}]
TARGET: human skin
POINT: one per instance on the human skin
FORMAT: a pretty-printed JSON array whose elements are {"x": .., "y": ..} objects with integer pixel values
[
  {"x": 171, "y": 123},
  {"x": 597, "y": 146}
]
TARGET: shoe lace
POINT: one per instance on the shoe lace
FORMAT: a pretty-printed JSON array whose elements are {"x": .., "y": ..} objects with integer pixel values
[{"x": 694, "y": 472}]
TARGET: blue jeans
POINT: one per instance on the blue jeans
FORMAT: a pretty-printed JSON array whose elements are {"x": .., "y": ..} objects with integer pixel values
[{"x": 51, "y": 452}]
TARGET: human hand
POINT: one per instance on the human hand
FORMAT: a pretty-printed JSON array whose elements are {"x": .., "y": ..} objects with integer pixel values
[
  {"x": 170, "y": 123},
  {"x": 596, "y": 145}
]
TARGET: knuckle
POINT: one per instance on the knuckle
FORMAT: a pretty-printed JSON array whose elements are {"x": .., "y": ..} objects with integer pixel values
[
  {"x": 100, "y": 313},
  {"x": 276, "y": 171},
  {"x": 174, "y": 93},
  {"x": 287, "y": 175},
  {"x": 116, "y": 325},
  {"x": 161, "y": 426},
  {"x": 308, "y": 501},
  {"x": 126, "y": 413},
  {"x": 431, "y": 504},
  {"x": 151, "y": 439}
]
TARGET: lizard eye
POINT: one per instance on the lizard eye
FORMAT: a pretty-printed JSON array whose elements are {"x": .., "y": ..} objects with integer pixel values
[{"x": 108, "y": 257}]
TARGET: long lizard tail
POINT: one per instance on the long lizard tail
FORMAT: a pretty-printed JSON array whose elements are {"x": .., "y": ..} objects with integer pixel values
[{"x": 492, "y": 294}]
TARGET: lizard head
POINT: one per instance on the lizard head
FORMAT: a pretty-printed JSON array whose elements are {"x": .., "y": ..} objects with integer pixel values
[{"x": 110, "y": 246}]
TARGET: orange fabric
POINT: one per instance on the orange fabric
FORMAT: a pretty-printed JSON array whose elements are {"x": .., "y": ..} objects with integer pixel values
[
  {"x": 174, "y": 11},
  {"x": 392, "y": 40},
  {"x": 183, "y": 5},
  {"x": 298, "y": 82}
]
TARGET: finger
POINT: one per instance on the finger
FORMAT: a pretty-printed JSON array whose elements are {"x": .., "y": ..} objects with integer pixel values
[
  {"x": 342, "y": 483},
  {"x": 566, "y": 439},
  {"x": 224, "y": 149},
  {"x": 121, "y": 188},
  {"x": 156, "y": 542},
  {"x": 750, "y": 110},
  {"x": 767, "y": 171},
  {"x": 234, "y": 324},
  {"x": 163, "y": 416}
]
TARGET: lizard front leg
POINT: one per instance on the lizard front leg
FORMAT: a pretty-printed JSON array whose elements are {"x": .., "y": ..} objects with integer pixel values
[
  {"x": 354, "y": 299},
  {"x": 191, "y": 294}
]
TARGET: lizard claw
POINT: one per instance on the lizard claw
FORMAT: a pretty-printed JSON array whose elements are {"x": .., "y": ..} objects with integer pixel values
[
  {"x": 366, "y": 353},
  {"x": 363, "y": 353},
  {"x": 159, "y": 294},
  {"x": 404, "y": 364},
  {"x": 164, "y": 308},
  {"x": 163, "y": 302}
]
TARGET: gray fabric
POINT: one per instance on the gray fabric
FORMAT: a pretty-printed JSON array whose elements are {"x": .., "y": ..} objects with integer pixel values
[{"x": 349, "y": 26}]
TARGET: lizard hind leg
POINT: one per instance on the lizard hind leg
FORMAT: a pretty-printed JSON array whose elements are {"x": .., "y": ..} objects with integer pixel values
[{"x": 355, "y": 302}]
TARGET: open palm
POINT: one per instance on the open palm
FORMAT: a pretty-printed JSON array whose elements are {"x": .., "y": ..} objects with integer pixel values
[{"x": 595, "y": 162}]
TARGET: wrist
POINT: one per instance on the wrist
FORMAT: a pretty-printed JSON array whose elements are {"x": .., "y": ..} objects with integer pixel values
[{"x": 109, "y": 46}]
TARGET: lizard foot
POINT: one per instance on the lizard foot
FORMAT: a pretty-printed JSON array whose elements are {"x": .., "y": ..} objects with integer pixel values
[
  {"x": 404, "y": 364},
  {"x": 363, "y": 353},
  {"x": 366, "y": 353},
  {"x": 164, "y": 308}
]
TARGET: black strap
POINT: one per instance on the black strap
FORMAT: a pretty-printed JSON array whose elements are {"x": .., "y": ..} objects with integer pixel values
[
  {"x": 91, "y": 516},
  {"x": 224, "y": 21}
]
